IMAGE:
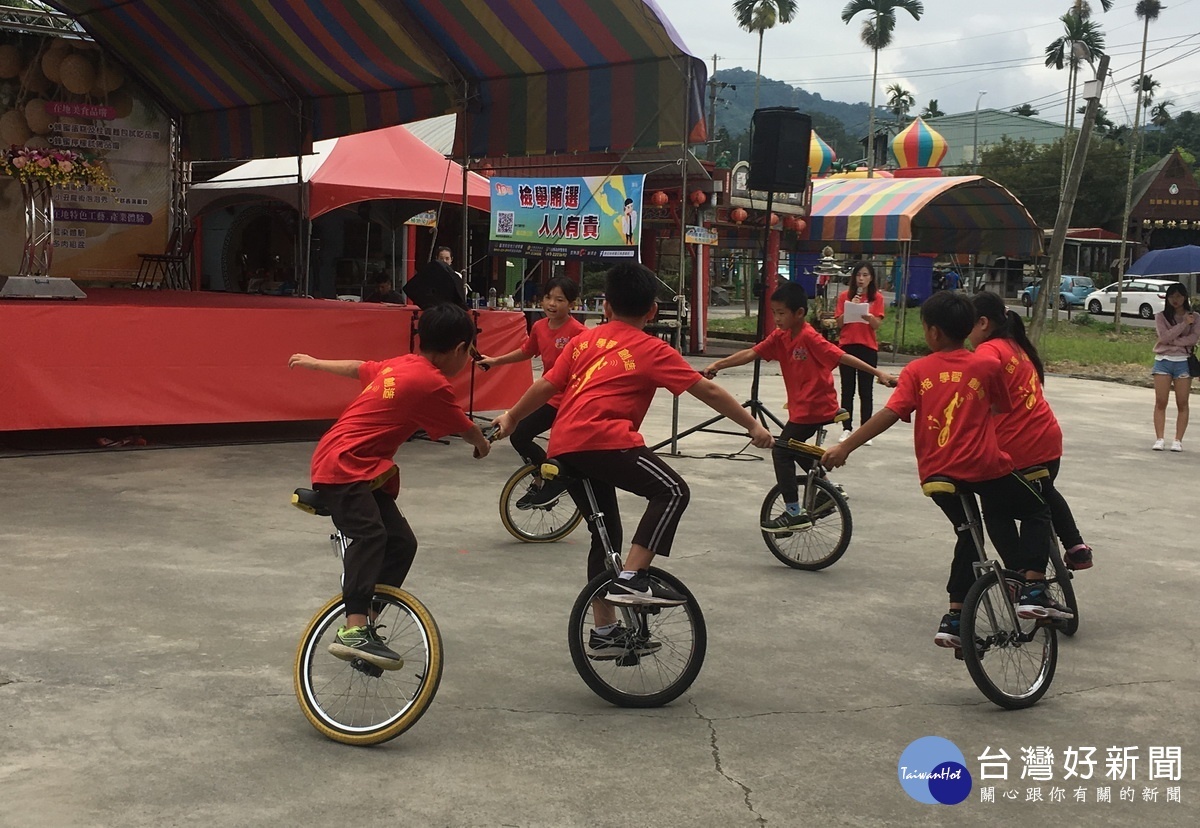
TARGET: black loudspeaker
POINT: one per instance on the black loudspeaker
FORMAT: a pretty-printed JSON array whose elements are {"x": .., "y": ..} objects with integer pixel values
[{"x": 779, "y": 150}]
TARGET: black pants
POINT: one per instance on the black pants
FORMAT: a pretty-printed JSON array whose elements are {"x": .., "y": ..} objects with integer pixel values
[
  {"x": 865, "y": 381},
  {"x": 523, "y": 435},
  {"x": 1004, "y": 501},
  {"x": 1060, "y": 511},
  {"x": 382, "y": 545},
  {"x": 640, "y": 472},
  {"x": 785, "y": 461}
]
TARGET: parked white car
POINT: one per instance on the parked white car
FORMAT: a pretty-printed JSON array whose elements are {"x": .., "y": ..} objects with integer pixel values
[{"x": 1139, "y": 297}]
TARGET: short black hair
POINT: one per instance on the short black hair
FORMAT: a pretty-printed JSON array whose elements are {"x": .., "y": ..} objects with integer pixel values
[
  {"x": 793, "y": 295},
  {"x": 631, "y": 289},
  {"x": 951, "y": 313},
  {"x": 440, "y": 248},
  {"x": 569, "y": 287},
  {"x": 444, "y": 327},
  {"x": 628, "y": 201}
]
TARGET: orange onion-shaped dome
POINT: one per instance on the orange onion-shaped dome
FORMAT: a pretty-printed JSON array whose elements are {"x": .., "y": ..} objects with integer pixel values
[
  {"x": 820, "y": 155},
  {"x": 918, "y": 146}
]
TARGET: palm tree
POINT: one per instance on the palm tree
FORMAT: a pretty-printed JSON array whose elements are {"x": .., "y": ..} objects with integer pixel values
[
  {"x": 1081, "y": 39},
  {"x": 877, "y": 34},
  {"x": 932, "y": 110},
  {"x": 758, "y": 16},
  {"x": 1146, "y": 11},
  {"x": 900, "y": 101},
  {"x": 1160, "y": 115},
  {"x": 1025, "y": 110}
]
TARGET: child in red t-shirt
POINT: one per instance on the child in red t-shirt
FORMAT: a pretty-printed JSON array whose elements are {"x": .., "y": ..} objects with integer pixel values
[
  {"x": 953, "y": 393},
  {"x": 1030, "y": 433},
  {"x": 807, "y": 360},
  {"x": 547, "y": 339},
  {"x": 607, "y": 378},
  {"x": 353, "y": 468}
]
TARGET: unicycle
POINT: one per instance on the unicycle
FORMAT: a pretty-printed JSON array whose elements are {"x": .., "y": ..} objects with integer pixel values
[
  {"x": 545, "y": 522},
  {"x": 354, "y": 702},
  {"x": 1010, "y": 659},
  {"x": 660, "y": 649}
]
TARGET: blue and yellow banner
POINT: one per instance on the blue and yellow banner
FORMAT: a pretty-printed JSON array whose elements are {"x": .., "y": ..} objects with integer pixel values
[{"x": 586, "y": 217}]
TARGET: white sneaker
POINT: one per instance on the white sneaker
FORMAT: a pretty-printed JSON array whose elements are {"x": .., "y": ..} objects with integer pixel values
[
  {"x": 1176, "y": 446},
  {"x": 845, "y": 435},
  {"x": 1159, "y": 445}
]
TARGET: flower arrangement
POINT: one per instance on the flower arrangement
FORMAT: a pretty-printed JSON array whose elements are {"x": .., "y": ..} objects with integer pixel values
[{"x": 58, "y": 167}]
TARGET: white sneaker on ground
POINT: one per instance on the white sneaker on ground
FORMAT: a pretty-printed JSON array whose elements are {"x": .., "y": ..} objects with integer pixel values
[
  {"x": 1159, "y": 445},
  {"x": 1177, "y": 446},
  {"x": 845, "y": 435}
]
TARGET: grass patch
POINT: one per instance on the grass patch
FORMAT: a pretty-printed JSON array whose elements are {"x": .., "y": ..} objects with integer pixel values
[{"x": 1089, "y": 344}]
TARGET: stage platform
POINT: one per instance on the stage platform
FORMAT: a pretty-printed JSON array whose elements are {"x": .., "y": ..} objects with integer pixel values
[{"x": 148, "y": 358}]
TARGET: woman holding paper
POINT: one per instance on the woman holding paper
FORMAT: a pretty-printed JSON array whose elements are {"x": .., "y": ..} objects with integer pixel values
[{"x": 859, "y": 313}]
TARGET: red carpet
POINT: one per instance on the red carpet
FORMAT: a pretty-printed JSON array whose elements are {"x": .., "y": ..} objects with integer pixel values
[{"x": 130, "y": 358}]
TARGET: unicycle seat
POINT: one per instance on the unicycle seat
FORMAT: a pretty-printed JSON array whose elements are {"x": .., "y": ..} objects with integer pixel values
[
  {"x": 941, "y": 484},
  {"x": 310, "y": 501},
  {"x": 554, "y": 469},
  {"x": 1034, "y": 473}
]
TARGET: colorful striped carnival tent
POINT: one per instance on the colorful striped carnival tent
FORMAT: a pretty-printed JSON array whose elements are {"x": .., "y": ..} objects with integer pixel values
[{"x": 266, "y": 78}]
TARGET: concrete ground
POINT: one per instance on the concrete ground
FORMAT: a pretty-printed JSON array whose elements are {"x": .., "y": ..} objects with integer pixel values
[{"x": 152, "y": 601}]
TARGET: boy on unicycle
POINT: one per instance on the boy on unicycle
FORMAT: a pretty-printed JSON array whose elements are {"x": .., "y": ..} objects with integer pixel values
[
  {"x": 952, "y": 393},
  {"x": 352, "y": 466},
  {"x": 607, "y": 378}
]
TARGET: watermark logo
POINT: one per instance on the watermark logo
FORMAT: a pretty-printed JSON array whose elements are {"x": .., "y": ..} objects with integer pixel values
[{"x": 934, "y": 771}]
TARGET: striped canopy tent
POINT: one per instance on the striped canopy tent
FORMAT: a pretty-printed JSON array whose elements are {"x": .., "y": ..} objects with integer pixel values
[
  {"x": 955, "y": 214},
  {"x": 918, "y": 146},
  {"x": 820, "y": 155},
  {"x": 265, "y": 78}
]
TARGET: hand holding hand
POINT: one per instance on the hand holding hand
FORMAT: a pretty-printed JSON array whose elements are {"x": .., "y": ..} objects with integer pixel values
[
  {"x": 890, "y": 380},
  {"x": 504, "y": 426},
  {"x": 482, "y": 450},
  {"x": 709, "y": 373}
]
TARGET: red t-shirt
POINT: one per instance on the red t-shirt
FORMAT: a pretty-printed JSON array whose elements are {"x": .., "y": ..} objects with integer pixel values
[
  {"x": 548, "y": 343},
  {"x": 952, "y": 394},
  {"x": 1030, "y": 432},
  {"x": 807, "y": 361},
  {"x": 400, "y": 397},
  {"x": 608, "y": 376},
  {"x": 860, "y": 333}
]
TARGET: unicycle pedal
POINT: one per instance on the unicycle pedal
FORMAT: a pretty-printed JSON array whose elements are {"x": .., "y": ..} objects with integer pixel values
[{"x": 366, "y": 667}]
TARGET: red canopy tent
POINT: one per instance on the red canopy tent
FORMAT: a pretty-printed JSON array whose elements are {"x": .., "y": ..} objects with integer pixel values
[{"x": 389, "y": 163}]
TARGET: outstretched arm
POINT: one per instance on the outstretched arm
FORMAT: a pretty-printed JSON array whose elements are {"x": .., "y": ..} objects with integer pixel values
[
  {"x": 857, "y": 364},
  {"x": 837, "y": 455},
  {"x": 538, "y": 395},
  {"x": 341, "y": 367},
  {"x": 722, "y": 402},
  {"x": 731, "y": 361},
  {"x": 512, "y": 356}
]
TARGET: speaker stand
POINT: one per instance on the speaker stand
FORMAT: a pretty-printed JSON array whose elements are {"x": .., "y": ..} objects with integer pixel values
[{"x": 756, "y": 407}]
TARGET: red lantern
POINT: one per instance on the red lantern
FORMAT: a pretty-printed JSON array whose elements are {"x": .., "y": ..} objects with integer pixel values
[
  {"x": 697, "y": 198},
  {"x": 800, "y": 225},
  {"x": 488, "y": 173},
  {"x": 659, "y": 199},
  {"x": 738, "y": 215},
  {"x": 774, "y": 219}
]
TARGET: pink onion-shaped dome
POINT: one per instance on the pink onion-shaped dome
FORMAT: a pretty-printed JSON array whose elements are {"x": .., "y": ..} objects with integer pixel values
[
  {"x": 918, "y": 146},
  {"x": 820, "y": 155}
]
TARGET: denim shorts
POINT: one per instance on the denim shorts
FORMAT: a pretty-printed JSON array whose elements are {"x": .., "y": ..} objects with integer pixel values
[{"x": 1172, "y": 368}]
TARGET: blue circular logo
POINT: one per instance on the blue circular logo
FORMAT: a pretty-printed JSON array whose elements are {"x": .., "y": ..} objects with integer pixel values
[{"x": 934, "y": 771}]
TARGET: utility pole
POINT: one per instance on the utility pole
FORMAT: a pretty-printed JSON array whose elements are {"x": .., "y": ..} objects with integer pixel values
[
  {"x": 712, "y": 110},
  {"x": 1066, "y": 204}
]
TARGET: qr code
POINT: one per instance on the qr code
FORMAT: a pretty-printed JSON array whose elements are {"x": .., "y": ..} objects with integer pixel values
[{"x": 505, "y": 219}]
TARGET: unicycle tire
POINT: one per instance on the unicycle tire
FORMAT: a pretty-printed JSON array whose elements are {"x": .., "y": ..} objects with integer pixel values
[
  {"x": 542, "y": 524},
  {"x": 356, "y": 703},
  {"x": 1062, "y": 590},
  {"x": 823, "y": 543},
  {"x": 1012, "y": 667},
  {"x": 638, "y": 678}
]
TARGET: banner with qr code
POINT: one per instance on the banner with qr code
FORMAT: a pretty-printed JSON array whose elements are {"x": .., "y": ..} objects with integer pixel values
[{"x": 587, "y": 217}]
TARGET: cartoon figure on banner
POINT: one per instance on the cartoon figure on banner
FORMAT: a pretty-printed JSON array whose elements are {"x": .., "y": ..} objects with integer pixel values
[{"x": 629, "y": 222}]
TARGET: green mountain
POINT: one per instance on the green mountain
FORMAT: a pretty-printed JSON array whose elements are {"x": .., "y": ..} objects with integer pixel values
[{"x": 840, "y": 124}]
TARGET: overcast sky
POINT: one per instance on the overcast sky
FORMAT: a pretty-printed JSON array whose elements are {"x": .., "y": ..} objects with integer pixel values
[{"x": 957, "y": 49}]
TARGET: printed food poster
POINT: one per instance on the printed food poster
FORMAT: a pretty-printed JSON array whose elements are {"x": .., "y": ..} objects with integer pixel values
[{"x": 63, "y": 93}]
